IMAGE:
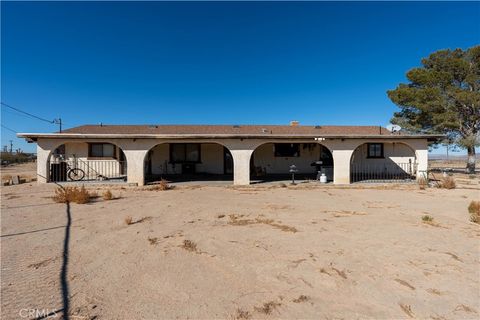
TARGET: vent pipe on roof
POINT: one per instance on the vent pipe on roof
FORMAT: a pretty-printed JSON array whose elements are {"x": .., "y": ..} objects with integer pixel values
[{"x": 294, "y": 123}]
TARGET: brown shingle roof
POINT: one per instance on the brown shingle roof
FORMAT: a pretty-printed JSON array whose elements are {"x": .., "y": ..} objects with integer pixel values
[{"x": 228, "y": 130}]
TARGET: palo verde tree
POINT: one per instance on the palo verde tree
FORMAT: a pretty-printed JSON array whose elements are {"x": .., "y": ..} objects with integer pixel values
[{"x": 443, "y": 96}]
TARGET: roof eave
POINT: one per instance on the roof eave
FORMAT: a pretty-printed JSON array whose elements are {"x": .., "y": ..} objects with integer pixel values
[{"x": 35, "y": 136}]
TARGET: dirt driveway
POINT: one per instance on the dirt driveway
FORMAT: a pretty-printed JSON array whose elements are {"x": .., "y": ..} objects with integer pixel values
[{"x": 253, "y": 252}]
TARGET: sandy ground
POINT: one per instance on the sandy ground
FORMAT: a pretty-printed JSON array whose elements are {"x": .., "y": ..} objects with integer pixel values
[
  {"x": 311, "y": 252},
  {"x": 24, "y": 170}
]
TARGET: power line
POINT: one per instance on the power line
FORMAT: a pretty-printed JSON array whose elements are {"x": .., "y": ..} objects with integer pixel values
[
  {"x": 26, "y": 113},
  {"x": 54, "y": 121},
  {"x": 7, "y": 128}
]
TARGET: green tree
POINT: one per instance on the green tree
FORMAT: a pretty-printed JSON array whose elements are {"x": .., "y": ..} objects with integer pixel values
[{"x": 443, "y": 96}]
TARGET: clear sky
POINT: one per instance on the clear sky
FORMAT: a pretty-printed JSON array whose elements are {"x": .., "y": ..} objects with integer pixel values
[{"x": 217, "y": 62}]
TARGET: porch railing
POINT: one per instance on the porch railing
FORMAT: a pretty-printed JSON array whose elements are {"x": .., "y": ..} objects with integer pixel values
[
  {"x": 86, "y": 170},
  {"x": 385, "y": 172}
]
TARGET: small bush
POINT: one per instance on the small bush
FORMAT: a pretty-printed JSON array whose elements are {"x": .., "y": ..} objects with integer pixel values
[
  {"x": 242, "y": 314},
  {"x": 448, "y": 183},
  {"x": 422, "y": 183},
  {"x": 107, "y": 195},
  {"x": 189, "y": 245},
  {"x": 301, "y": 298},
  {"x": 474, "y": 210},
  {"x": 427, "y": 218},
  {"x": 153, "y": 241},
  {"x": 72, "y": 194},
  {"x": 267, "y": 307},
  {"x": 128, "y": 220},
  {"x": 164, "y": 185}
]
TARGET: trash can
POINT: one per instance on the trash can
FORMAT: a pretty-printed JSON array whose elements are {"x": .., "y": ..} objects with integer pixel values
[{"x": 58, "y": 172}]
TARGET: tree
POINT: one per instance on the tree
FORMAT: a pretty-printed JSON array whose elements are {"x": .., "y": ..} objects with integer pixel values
[{"x": 443, "y": 96}]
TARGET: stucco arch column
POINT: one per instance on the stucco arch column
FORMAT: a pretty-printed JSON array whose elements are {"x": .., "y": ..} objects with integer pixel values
[
  {"x": 241, "y": 166},
  {"x": 342, "y": 151},
  {"x": 135, "y": 166},
  {"x": 341, "y": 166},
  {"x": 42, "y": 163},
  {"x": 241, "y": 150}
]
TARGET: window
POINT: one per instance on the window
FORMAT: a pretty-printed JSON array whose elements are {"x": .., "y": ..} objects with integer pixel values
[
  {"x": 287, "y": 150},
  {"x": 101, "y": 150},
  {"x": 375, "y": 150},
  {"x": 184, "y": 152}
]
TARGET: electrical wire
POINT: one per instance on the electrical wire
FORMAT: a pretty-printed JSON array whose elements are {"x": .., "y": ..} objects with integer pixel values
[
  {"x": 7, "y": 128},
  {"x": 27, "y": 113}
]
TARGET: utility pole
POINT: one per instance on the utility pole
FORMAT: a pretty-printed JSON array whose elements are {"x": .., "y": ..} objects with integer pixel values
[
  {"x": 11, "y": 146},
  {"x": 59, "y": 122}
]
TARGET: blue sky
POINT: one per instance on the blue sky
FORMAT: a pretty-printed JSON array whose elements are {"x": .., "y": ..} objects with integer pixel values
[{"x": 217, "y": 62}]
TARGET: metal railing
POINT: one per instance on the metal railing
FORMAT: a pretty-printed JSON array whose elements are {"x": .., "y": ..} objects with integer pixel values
[
  {"x": 383, "y": 172},
  {"x": 86, "y": 170}
]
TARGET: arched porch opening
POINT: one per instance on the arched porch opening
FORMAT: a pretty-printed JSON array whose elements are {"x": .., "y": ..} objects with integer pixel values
[
  {"x": 272, "y": 162},
  {"x": 86, "y": 161},
  {"x": 383, "y": 162},
  {"x": 188, "y": 161}
]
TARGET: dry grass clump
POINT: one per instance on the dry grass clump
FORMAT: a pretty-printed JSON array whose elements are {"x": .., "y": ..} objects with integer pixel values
[
  {"x": 72, "y": 194},
  {"x": 474, "y": 210},
  {"x": 163, "y": 185},
  {"x": 128, "y": 220},
  {"x": 153, "y": 241},
  {"x": 448, "y": 183},
  {"x": 301, "y": 298},
  {"x": 189, "y": 245},
  {"x": 407, "y": 309},
  {"x": 242, "y": 314},
  {"x": 427, "y": 218},
  {"x": 267, "y": 307},
  {"x": 236, "y": 221},
  {"x": 107, "y": 195},
  {"x": 422, "y": 183}
]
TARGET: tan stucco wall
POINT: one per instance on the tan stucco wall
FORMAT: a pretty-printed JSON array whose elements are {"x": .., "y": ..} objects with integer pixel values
[
  {"x": 136, "y": 149},
  {"x": 395, "y": 152},
  {"x": 264, "y": 157},
  {"x": 211, "y": 155}
]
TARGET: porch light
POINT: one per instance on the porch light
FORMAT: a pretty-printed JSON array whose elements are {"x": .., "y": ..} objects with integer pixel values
[{"x": 319, "y": 139}]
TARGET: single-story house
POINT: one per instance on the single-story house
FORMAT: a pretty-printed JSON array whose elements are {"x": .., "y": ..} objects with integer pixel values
[{"x": 243, "y": 153}]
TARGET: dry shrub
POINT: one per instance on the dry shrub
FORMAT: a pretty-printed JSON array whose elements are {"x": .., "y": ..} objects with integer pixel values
[
  {"x": 128, "y": 220},
  {"x": 189, "y": 245},
  {"x": 107, "y": 195},
  {"x": 422, "y": 183},
  {"x": 301, "y": 298},
  {"x": 163, "y": 185},
  {"x": 152, "y": 241},
  {"x": 474, "y": 210},
  {"x": 72, "y": 194},
  {"x": 235, "y": 221},
  {"x": 448, "y": 183},
  {"x": 277, "y": 225},
  {"x": 427, "y": 218},
  {"x": 268, "y": 307},
  {"x": 242, "y": 314}
]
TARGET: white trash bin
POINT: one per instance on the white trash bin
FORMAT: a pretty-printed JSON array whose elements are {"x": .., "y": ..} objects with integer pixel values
[{"x": 323, "y": 178}]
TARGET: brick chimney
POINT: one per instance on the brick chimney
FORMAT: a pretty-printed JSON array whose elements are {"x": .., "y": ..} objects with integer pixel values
[{"x": 294, "y": 123}]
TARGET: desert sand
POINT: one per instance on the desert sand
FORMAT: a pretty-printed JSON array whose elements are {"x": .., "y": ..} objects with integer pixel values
[{"x": 259, "y": 252}]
